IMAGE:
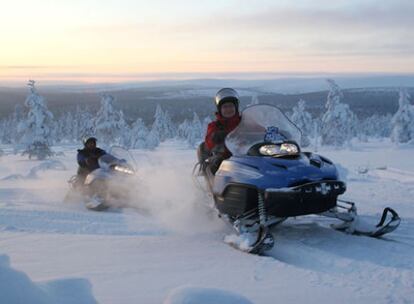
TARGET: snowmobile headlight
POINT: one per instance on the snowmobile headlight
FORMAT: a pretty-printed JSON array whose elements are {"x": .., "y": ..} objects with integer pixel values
[
  {"x": 282, "y": 149},
  {"x": 289, "y": 148},
  {"x": 123, "y": 169},
  {"x": 269, "y": 150}
]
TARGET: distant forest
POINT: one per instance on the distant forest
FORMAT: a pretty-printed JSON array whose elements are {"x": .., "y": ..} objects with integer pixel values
[{"x": 180, "y": 104}]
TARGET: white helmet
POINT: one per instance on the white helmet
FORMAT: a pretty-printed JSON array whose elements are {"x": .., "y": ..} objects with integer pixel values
[{"x": 225, "y": 95}]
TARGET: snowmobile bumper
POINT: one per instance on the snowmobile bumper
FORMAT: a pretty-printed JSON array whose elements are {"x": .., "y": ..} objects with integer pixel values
[{"x": 309, "y": 198}]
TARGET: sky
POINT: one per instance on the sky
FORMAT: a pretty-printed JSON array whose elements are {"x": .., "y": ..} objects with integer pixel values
[{"x": 123, "y": 40}]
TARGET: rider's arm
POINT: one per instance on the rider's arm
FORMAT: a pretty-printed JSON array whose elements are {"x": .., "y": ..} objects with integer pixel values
[
  {"x": 214, "y": 136},
  {"x": 209, "y": 136}
]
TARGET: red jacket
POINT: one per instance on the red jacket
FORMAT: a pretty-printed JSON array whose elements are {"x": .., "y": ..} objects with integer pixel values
[{"x": 219, "y": 125}]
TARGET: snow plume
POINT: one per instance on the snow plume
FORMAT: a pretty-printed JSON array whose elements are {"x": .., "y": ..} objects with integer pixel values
[{"x": 170, "y": 194}]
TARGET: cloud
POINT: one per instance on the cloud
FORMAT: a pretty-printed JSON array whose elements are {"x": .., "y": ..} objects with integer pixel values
[
  {"x": 369, "y": 27},
  {"x": 369, "y": 15}
]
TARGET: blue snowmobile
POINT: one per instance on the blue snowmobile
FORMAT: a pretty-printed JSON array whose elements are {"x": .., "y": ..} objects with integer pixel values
[{"x": 268, "y": 179}]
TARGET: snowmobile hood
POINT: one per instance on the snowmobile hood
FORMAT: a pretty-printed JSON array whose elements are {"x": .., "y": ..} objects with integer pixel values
[{"x": 269, "y": 172}]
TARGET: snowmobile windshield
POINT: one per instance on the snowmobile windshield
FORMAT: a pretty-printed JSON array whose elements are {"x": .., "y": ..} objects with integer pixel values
[
  {"x": 106, "y": 160},
  {"x": 261, "y": 124},
  {"x": 123, "y": 154}
]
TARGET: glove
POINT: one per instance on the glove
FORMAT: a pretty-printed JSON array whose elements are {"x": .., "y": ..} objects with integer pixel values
[
  {"x": 219, "y": 136},
  {"x": 215, "y": 162}
]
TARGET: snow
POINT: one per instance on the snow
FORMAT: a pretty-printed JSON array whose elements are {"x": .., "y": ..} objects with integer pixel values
[
  {"x": 200, "y": 295},
  {"x": 16, "y": 287},
  {"x": 168, "y": 247}
]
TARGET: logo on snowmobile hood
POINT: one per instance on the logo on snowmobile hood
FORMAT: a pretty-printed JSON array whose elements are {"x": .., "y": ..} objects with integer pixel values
[{"x": 273, "y": 135}]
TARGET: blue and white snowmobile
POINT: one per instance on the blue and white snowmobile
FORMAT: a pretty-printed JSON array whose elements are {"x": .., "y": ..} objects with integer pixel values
[
  {"x": 268, "y": 179},
  {"x": 109, "y": 185}
]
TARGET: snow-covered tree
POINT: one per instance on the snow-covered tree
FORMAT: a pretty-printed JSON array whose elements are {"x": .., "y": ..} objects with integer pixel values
[
  {"x": 338, "y": 122},
  {"x": 183, "y": 129},
  {"x": 140, "y": 136},
  {"x": 163, "y": 124},
  {"x": 36, "y": 130},
  {"x": 9, "y": 130},
  {"x": 196, "y": 132},
  {"x": 109, "y": 122},
  {"x": 375, "y": 126},
  {"x": 303, "y": 120},
  {"x": 193, "y": 132},
  {"x": 403, "y": 120},
  {"x": 153, "y": 139},
  {"x": 65, "y": 130},
  {"x": 84, "y": 123}
]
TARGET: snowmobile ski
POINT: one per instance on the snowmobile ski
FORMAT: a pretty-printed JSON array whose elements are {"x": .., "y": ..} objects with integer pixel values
[
  {"x": 353, "y": 224},
  {"x": 252, "y": 242},
  {"x": 96, "y": 204}
]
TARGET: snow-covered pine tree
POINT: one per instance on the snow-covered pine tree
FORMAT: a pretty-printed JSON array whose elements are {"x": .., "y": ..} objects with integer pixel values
[
  {"x": 375, "y": 126},
  {"x": 139, "y": 135},
  {"x": 84, "y": 123},
  {"x": 36, "y": 130},
  {"x": 183, "y": 129},
  {"x": 338, "y": 122},
  {"x": 153, "y": 139},
  {"x": 170, "y": 127},
  {"x": 163, "y": 124},
  {"x": 303, "y": 120},
  {"x": 65, "y": 128},
  {"x": 4, "y": 126},
  {"x": 403, "y": 120},
  {"x": 10, "y": 134},
  {"x": 109, "y": 122},
  {"x": 195, "y": 133}
]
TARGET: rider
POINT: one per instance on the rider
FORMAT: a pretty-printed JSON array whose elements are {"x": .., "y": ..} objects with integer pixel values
[
  {"x": 227, "y": 119},
  {"x": 88, "y": 158}
]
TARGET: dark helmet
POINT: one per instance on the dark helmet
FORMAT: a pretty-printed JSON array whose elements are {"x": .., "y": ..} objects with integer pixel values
[
  {"x": 226, "y": 95},
  {"x": 89, "y": 139}
]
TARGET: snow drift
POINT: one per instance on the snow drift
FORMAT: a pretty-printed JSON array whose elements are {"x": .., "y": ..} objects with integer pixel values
[{"x": 16, "y": 287}]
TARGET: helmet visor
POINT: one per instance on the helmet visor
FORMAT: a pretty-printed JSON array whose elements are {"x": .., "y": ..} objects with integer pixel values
[{"x": 226, "y": 93}]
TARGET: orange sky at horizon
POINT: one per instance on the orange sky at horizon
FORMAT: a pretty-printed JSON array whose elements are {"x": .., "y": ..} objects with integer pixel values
[{"x": 125, "y": 40}]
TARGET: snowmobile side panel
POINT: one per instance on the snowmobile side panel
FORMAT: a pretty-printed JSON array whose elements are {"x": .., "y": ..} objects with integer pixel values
[{"x": 237, "y": 199}]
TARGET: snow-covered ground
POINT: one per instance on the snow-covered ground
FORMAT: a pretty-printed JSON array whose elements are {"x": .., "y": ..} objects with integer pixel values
[{"x": 169, "y": 248}]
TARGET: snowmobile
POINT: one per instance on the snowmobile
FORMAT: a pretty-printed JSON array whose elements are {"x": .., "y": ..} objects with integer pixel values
[
  {"x": 109, "y": 185},
  {"x": 269, "y": 179}
]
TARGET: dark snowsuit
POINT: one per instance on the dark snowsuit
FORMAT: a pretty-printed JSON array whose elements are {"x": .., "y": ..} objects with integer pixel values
[{"x": 88, "y": 161}]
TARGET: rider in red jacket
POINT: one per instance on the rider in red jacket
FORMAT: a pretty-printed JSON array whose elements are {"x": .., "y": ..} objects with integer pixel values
[{"x": 227, "y": 119}]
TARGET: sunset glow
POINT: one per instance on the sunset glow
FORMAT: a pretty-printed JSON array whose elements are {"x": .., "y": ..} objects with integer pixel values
[{"x": 126, "y": 40}]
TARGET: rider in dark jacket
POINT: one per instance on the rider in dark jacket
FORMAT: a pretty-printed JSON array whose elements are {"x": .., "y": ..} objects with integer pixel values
[{"x": 88, "y": 158}]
